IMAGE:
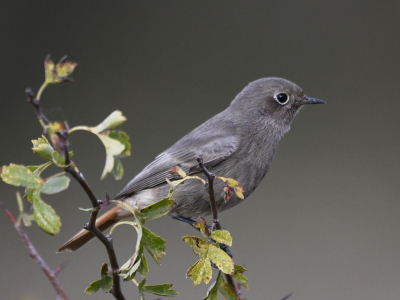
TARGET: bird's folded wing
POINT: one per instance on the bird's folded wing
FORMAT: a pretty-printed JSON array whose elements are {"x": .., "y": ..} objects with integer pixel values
[{"x": 213, "y": 148}]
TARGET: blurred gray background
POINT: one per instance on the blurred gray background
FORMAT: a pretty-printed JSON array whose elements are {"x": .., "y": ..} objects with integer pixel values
[{"x": 324, "y": 224}]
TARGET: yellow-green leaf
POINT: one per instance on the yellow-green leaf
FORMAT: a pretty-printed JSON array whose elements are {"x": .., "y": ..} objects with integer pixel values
[
  {"x": 19, "y": 175},
  {"x": 58, "y": 159},
  {"x": 232, "y": 187},
  {"x": 45, "y": 216},
  {"x": 222, "y": 236},
  {"x": 202, "y": 229},
  {"x": 201, "y": 270},
  {"x": 220, "y": 259},
  {"x": 65, "y": 68},
  {"x": 42, "y": 147},
  {"x": 58, "y": 73},
  {"x": 199, "y": 246}
]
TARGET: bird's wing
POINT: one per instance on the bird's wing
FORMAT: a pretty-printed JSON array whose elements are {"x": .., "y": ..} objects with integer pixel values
[{"x": 214, "y": 148}]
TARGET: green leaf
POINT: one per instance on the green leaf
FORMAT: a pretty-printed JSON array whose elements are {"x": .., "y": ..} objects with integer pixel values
[
  {"x": 141, "y": 285},
  {"x": 39, "y": 169},
  {"x": 153, "y": 243},
  {"x": 220, "y": 259},
  {"x": 222, "y": 236},
  {"x": 105, "y": 283},
  {"x": 212, "y": 292},
  {"x": 45, "y": 216},
  {"x": 58, "y": 159},
  {"x": 93, "y": 287},
  {"x": 123, "y": 138},
  {"x": 118, "y": 169},
  {"x": 19, "y": 175},
  {"x": 158, "y": 209},
  {"x": 199, "y": 246},
  {"x": 226, "y": 289},
  {"x": 42, "y": 147},
  {"x": 201, "y": 270},
  {"x": 55, "y": 185},
  {"x": 240, "y": 269},
  {"x": 240, "y": 277},
  {"x": 143, "y": 267},
  {"x": 140, "y": 288},
  {"x": 160, "y": 289}
]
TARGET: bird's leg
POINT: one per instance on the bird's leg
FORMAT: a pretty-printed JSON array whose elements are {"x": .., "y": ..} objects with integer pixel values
[{"x": 185, "y": 220}]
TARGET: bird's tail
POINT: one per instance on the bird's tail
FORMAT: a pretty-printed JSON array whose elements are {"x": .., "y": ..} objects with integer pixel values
[{"x": 84, "y": 236}]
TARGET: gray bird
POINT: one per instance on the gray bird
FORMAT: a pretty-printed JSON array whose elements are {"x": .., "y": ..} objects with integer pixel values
[{"x": 239, "y": 143}]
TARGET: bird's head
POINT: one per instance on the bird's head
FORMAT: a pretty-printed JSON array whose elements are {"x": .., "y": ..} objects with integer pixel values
[{"x": 275, "y": 100}]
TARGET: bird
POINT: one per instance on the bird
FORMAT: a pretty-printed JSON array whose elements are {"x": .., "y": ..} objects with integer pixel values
[{"x": 239, "y": 142}]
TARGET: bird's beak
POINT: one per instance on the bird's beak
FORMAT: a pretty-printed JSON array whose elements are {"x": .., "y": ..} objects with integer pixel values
[{"x": 307, "y": 100}]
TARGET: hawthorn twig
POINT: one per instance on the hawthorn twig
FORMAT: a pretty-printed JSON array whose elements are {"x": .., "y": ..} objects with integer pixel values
[
  {"x": 91, "y": 226},
  {"x": 78, "y": 176},
  {"x": 210, "y": 189},
  {"x": 52, "y": 275}
]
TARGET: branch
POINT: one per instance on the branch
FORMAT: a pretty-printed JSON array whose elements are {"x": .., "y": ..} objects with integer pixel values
[
  {"x": 91, "y": 226},
  {"x": 78, "y": 176},
  {"x": 210, "y": 189},
  {"x": 52, "y": 275}
]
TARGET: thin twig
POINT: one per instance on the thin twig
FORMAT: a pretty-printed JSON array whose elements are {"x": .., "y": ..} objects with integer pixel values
[
  {"x": 52, "y": 275},
  {"x": 36, "y": 105},
  {"x": 91, "y": 225},
  {"x": 210, "y": 189},
  {"x": 61, "y": 267}
]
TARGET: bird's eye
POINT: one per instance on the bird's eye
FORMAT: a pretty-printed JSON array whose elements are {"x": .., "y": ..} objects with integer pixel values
[{"x": 281, "y": 98}]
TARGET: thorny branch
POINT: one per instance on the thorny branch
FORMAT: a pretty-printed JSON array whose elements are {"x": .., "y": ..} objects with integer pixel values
[
  {"x": 62, "y": 146},
  {"x": 52, "y": 275}
]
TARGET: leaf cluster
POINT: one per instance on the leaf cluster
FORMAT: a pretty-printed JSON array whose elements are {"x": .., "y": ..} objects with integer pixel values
[
  {"x": 29, "y": 177},
  {"x": 146, "y": 239}
]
